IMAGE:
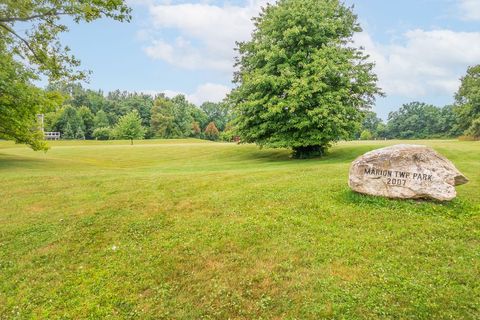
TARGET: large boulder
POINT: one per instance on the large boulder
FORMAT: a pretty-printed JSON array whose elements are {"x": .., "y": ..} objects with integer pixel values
[{"x": 405, "y": 171}]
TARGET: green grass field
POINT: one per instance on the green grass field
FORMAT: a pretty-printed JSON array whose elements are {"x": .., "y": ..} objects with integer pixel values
[{"x": 184, "y": 229}]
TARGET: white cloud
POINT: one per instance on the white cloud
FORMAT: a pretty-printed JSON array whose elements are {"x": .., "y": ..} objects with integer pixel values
[
  {"x": 418, "y": 64},
  {"x": 427, "y": 62},
  {"x": 207, "y": 33},
  {"x": 182, "y": 54},
  {"x": 209, "y": 92},
  {"x": 205, "y": 92},
  {"x": 470, "y": 9}
]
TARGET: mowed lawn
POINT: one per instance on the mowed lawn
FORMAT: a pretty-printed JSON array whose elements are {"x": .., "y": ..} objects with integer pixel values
[{"x": 184, "y": 229}]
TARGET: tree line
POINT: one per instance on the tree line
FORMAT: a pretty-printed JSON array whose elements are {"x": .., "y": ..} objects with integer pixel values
[
  {"x": 414, "y": 120},
  {"x": 300, "y": 84},
  {"x": 417, "y": 120},
  {"x": 90, "y": 114}
]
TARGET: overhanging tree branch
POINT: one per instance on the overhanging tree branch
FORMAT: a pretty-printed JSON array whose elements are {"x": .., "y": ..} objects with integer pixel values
[
  {"x": 4, "y": 26},
  {"x": 36, "y": 16}
]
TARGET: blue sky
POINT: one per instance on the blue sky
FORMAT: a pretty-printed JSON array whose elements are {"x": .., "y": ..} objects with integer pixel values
[{"x": 421, "y": 47}]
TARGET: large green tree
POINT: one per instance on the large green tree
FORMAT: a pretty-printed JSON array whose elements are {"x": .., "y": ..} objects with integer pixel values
[
  {"x": 29, "y": 47},
  {"x": 20, "y": 101},
  {"x": 300, "y": 82},
  {"x": 468, "y": 100}
]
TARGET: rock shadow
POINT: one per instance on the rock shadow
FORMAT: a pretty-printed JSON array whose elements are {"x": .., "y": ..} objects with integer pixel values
[{"x": 457, "y": 208}]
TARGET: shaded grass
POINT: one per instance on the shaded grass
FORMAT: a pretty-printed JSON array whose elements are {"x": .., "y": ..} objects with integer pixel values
[{"x": 183, "y": 230}]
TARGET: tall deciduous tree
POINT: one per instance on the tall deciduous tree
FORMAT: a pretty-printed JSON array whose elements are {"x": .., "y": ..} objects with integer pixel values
[
  {"x": 130, "y": 127},
  {"x": 300, "y": 83},
  {"x": 20, "y": 101},
  {"x": 68, "y": 132},
  {"x": 468, "y": 100}
]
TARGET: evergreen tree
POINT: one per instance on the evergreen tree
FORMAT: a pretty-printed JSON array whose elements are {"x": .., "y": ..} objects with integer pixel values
[
  {"x": 68, "y": 133},
  {"x": 79, "y": 134}
]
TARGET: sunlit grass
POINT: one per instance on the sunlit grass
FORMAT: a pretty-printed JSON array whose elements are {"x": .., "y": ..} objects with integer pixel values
[{"x": 183, "y": 229}]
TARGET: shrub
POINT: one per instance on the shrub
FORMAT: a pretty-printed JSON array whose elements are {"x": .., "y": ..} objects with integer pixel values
[
  {"x": 366, "y": 135},
  {"x": 103, "y": 133},
  {"x": 228, "y": 134},
  {"x": 468, "y": 138}
]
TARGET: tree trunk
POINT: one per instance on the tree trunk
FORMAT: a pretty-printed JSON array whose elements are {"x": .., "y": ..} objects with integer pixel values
[{"x": 305, "y": 152}]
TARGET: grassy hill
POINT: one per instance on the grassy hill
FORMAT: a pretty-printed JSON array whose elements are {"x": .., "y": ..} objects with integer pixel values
[{"x": 183, "y": 229}]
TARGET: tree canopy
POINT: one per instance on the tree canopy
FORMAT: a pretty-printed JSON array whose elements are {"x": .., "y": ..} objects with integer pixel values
[
  {"x": 300, "y": 83},
  {"x": 30, "y": 29},
  {"x": 20, "y": 102},
  {"x": 468, "y": 101},
  {"x": 29, "y": 47},
  {"x": 418, "y": 120}
]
